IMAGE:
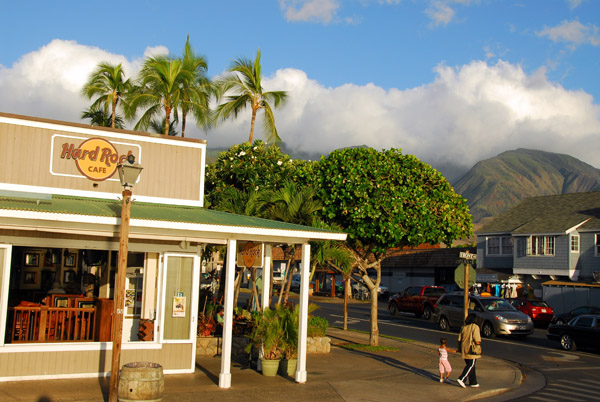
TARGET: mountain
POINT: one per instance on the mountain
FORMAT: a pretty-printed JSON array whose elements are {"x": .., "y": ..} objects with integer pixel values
[{"x": 496, "y": 184}]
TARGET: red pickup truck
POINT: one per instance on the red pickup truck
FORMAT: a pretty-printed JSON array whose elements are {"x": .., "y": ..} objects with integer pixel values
[{"x": 416, "y": 299}]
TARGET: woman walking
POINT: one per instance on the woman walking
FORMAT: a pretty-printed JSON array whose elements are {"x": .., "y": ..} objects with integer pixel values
[{"x": 470, "y": 348}]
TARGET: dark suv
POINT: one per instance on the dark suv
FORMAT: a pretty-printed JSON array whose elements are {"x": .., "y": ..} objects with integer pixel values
[{"x": 495, "y": 316}]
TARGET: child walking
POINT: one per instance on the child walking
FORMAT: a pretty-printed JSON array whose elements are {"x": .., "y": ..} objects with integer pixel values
[{"x": 445, "y": 368}]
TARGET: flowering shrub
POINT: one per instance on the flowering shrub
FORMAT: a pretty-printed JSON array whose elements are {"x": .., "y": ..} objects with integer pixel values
[{"x": 249, "y": 167}]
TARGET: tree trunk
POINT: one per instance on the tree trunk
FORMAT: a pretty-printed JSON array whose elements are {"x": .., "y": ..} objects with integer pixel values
[
  {"x": 347, "y": 291},
  {"x": 183, "y": 124},
  {"x": 114, "y": 110},
  {"x": 237, "y": 285},
  {"x": 254, "y": 290},
  {"x": 252, "y": 126},
  {"x": 167, "y": 119},
  {"x": 374, "y": 337}
]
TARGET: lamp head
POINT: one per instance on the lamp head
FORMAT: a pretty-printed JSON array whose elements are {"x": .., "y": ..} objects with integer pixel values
[{"x": 129, "y": 171}]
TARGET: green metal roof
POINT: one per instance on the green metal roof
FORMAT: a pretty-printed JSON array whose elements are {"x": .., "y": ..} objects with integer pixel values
[
  {"x": 549, "y": 214},
  {"x": 62, "y": 204}
]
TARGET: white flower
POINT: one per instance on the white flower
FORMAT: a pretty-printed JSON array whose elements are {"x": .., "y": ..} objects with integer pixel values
[
  {"x": 291, "y": 160},
  {"x": 242, "y": 153},
  {"x": 231, "y": 158},
  {"x": 256, "y": 188},
  {"x": 255, "y": 148},
  {"x": 279, "y": 163}
]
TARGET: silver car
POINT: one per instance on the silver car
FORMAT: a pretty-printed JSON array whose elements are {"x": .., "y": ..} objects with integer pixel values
[{"x": 495, "y": 316}]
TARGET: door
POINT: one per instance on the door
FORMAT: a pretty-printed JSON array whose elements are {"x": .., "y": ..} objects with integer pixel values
[{"x": 180, "y": 284}]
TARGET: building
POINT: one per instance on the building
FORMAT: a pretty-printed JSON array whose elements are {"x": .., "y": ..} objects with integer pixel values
[
  {"x": 59, "y": 236},
  {"x": 547, "y": 241}
]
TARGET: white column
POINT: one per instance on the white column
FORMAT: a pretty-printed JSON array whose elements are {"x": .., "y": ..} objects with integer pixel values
[
  {"x": 225, "y": 375},
  {"x": 302, "y": 330},
  {"x": 266, "y": 280}
]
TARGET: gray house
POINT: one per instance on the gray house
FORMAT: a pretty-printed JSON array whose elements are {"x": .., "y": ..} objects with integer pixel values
[{"x": 548, "y": 242}]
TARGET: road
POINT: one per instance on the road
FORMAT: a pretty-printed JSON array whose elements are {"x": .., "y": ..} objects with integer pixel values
[{"x": 573, "y": 376}]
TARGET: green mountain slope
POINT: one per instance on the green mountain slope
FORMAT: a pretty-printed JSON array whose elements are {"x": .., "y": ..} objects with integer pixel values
[{"x": 495, "y": 184}]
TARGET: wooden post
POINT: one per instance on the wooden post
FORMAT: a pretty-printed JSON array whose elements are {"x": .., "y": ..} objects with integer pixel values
[
  {"x": 117, "y": 330},
  {"x": 466, "y": 289}
]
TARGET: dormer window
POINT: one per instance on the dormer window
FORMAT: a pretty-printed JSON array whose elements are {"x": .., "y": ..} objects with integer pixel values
[
  {"x": 499, "y": 245},
  {"x": 541, "y": 245}
]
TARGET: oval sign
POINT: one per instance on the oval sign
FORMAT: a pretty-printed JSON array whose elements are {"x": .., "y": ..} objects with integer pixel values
[{"x": 98, "y": 159}]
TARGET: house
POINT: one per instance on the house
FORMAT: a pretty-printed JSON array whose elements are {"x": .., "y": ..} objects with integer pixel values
[
  {"x": 60, "y": 216},
  {"x": 546, "y": 240}
]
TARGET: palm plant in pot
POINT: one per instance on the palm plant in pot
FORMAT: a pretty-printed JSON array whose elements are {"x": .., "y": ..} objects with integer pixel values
[{"x": 267, "y": 332}]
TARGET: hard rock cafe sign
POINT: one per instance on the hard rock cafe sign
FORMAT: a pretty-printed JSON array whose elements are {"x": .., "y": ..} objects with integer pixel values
[
  {"x": 249, "y": 254},
  {"x": 95, "y": 158}
]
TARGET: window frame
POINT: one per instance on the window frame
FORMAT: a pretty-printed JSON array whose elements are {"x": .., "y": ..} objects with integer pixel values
[
  {"x": 505, "y": 245},
  {"x": 541, "y": 246},
  {"x": 575, "y": 243}
]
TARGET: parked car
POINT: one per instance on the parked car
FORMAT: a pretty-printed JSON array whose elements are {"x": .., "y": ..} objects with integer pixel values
[
  {"x": 277, "y": 279},
  {"x": 539, "y": 311},
  {"x": 495, "y": 316},
  {"x": 566, "y": 317},
  {"x": 581, "y": 331},
  {"x": 295, "y": 285},
  {"x": 416, "y": 299}
]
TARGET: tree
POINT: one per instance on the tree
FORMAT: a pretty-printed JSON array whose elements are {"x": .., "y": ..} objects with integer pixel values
[
  {"x": 387, "y": 199},
  {"x": 244, "y": 84},
  {"x": 101, "y": 117},
  {"x": 197, "y": 91},
  {"x": 158, "y": 126},
  {"x": 108, "y": 83},
  {"x": 249, "y": 167},
  {"x": 293, "y": 205},
  {"x": 159, "y": 90}
]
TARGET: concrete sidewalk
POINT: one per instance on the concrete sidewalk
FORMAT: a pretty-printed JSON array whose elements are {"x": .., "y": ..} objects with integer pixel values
[{"x": 408, "y": 374}]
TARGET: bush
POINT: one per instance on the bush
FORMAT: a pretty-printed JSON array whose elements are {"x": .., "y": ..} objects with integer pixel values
[{"x": 317, "y": 326}]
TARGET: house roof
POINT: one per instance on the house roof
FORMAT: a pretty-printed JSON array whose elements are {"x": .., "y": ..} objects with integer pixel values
[
  {"x": 549, "y": 214},
  {"x": 435, "y": 257},
  {"x": 47, "y": 209}
]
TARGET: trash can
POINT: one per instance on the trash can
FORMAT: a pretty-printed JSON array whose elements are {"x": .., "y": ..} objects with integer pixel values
[{"x": 141, "y": 381}]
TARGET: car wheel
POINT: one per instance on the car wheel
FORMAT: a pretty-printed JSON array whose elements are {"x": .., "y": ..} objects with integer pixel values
[
  {"x": 567, "y": 343},
  {"x": 427, "y": 313},
  {"x": 444, "y": 324},
  {"x": 393, "y": 309},
  {"x": 488, "y": 330}
]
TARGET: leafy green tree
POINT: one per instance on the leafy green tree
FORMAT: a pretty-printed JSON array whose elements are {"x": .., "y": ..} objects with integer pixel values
[
  {"x": 101, "y": 117},
  {"x": 158, "y": 91},
  {"x": 242, "y": 88},
  {"x": 196, "y": 91},
  {"x": 109, "y": 85},
  {"x": 383, "y": 200}
]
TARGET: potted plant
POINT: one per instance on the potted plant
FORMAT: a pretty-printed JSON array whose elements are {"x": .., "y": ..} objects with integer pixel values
[{"x": 267, "y": 332}]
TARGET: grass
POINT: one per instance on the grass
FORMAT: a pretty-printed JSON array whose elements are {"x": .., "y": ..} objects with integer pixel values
[
  {"x": 382, "y": 336},
  {"x": 366, "y": 348}
]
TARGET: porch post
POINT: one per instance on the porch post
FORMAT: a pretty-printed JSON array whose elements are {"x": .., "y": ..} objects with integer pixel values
[
  {"x": 225, "y": 375},
  {"x": 266, "y": 280},
  {"x": 302, "y": 330}
]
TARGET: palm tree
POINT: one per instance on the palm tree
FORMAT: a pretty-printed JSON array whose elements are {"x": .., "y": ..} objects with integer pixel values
[
  {"x": 159, "y": 127},
  {"x": 244, "y": 83},
  {"x": 158, "y": 90},
  {"x": 293, "y": 205},
  {"x": 196, "y": 92},
  {"x": 101, "y": 117},
  {"x": 108, "y": 83}
]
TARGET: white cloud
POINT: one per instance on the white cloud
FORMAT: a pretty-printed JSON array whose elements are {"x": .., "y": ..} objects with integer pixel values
[
  {"x": 309, "y": 10},
  {"x": 440, "y": 12},
  {"x": 573, "y": 4},
  {"x": 573, "y": 33},
  {"x": 468, "y": 113}
]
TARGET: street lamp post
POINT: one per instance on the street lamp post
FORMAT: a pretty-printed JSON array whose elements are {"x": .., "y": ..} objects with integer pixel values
[{"x": 129, "y": 172}]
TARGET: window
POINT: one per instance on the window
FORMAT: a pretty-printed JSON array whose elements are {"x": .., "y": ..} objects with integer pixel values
[
  {"x": 541, "y": 245},
  {"x": 575, "y": 243},
  {"x": 500, "y": 245},
  {"x": 598, "y": 244}
]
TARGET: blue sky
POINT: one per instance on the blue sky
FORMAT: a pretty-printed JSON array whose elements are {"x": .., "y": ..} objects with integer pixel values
[{"x": 429, "y": 77}]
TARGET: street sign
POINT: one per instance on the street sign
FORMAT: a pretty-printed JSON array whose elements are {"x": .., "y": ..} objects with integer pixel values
[
  {"x": 467, "y": 256},
  {"x": 459, "y": 276}
]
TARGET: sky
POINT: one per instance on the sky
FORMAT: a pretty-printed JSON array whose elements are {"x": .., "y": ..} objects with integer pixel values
[{"x": 452, "y": 82}]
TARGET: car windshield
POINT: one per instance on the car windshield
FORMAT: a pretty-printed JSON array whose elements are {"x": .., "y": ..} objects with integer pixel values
[{"x": 496, "y": 304}]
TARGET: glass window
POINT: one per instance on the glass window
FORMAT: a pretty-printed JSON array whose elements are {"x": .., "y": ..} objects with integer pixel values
[
  {"x": 178, "y": 297},
  {"x": 500, "y": 245},
  {"x": 575, "y": 243},
  {"x": 541, "y": 245}
]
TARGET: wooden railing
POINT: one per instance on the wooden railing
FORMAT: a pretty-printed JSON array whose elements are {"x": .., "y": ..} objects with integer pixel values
[{"x": 52, "y": 324}]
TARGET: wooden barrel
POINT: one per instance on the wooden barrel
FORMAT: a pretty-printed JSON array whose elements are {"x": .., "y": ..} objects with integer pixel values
[{"x": 141, "y": 381}]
